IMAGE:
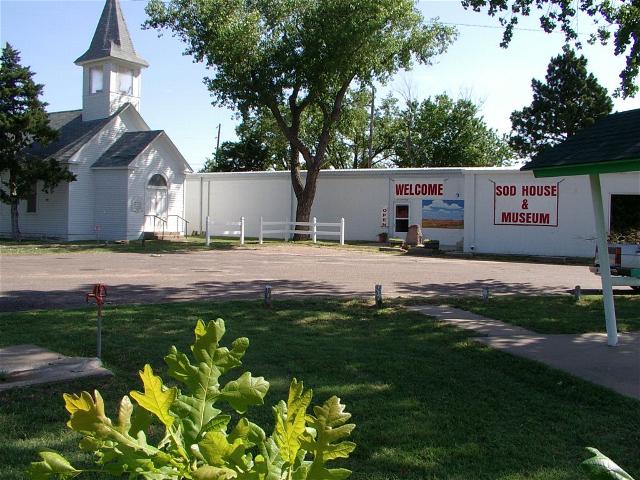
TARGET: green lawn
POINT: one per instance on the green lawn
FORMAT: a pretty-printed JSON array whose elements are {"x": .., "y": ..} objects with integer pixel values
[
  {"x": 428, "y": 402},
  {"x": 554, "y": 313},
  {"x": 190, "y": 244}
]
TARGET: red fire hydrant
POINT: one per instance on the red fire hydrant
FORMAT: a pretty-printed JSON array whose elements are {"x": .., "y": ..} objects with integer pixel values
[{"x": 99, "y": 292}]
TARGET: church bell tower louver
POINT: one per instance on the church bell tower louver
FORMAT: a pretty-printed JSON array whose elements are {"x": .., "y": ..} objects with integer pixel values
[{"x": 111, "y": 67}]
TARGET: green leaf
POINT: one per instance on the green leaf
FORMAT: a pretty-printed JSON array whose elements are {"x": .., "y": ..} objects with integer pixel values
[
  {"x": 245, "y": 391},
  {"x": 330, "y": 427},
  {"x": 214, "y": 473},
  {"x": 601, "y": 467},
  {"x": 217, "y": 451},
  {"x": 87, "y": 415},
  {"x": 52, "y": 464},
  {"x": 195, "y": 409},
  {"x": 156, "y": 399},
  {"x": 290, "y": 421}
]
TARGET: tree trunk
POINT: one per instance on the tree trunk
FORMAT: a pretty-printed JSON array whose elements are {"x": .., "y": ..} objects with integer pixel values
[
  {"x": 13, "y": 198},
  {"x": 305, "y": 202},
  {"x": 15, "y": 227}
]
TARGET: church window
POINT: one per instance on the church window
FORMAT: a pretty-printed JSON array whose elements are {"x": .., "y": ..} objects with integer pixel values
[
  {"x": 157, "y": 181},
  {"x": 96, "y": 79},
  {"x": 125, "y": 81}
]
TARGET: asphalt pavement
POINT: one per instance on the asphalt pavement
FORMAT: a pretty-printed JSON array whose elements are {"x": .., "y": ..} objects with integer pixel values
[{"x": 61, "y": 281}]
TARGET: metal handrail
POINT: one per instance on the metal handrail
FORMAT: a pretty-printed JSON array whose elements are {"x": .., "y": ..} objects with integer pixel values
[
  {"x": 164, "y": 222},
  {"x": 185, "y": 222}
]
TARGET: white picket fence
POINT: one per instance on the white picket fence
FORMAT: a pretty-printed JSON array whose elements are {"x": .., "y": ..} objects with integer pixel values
[
  {"x": 226, "y": 233},
  {"x": 313, "y": 231}
]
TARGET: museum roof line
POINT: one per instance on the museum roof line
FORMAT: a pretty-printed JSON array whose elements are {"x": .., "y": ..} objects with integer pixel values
[{"x": 369, "y": 171}]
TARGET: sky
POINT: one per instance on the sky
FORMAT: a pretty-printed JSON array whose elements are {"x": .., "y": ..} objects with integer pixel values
[{"x": 51, "y": 34}]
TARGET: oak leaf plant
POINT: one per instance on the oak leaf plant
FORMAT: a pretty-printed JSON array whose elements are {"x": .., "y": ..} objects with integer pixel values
[{"x": 199, "y": 441}]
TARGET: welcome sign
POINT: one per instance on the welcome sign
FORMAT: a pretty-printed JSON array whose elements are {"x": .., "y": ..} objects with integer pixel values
[{"x": 529, "y": 203}]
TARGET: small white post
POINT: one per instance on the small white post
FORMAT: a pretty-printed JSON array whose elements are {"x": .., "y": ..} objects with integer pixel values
[
  {"x": 267, "y": 296},
  {"x": 206, "y": 232},
  {"x": 378, "y": 295},
  {"x": 315, "y": 230},
  {"x": 342, "y": 231},
  {"x": 260, "y": 236},
  {"x": 286, "y": 229},
  {"x": 603, "y": 260},
  {"x": 485, "y": 294},
  {"x": 241, "y": 230}
]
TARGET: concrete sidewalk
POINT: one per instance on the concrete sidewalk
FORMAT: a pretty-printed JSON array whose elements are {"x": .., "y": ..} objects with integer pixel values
[
  {"x": 26, "y": 365},
  {"x": 585, "y": 355}
]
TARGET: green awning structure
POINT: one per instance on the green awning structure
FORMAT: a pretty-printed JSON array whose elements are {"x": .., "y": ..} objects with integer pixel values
[{"x": 610, "y": 145}]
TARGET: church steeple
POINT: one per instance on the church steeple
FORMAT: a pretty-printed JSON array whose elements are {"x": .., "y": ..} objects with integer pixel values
[{"x": 111, "y": 66}]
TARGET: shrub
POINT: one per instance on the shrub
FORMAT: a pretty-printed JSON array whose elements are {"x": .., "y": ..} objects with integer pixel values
[{"x": 198, "y": 442}]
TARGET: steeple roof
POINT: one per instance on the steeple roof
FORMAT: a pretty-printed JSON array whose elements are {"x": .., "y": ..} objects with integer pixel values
[{"x": 111, "y": 38}]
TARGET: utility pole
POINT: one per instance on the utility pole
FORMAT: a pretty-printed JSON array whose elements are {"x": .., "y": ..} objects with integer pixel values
[
  {"x": 371, "y": 121},
  {"x": 218, "y": 141}
]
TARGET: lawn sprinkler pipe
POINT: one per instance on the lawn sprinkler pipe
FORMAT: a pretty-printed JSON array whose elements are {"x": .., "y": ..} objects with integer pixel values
[{"x": 99, "y": 293}]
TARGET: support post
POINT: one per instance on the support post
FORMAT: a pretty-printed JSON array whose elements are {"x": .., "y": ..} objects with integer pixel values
[
  {"x": 603, "y": 260},
  {"x": 206, "y": 231},
  {"x": 485, "y": 294},
  {"x": 99, "y": 336},
  {"x": 286, "y": 229},
  {"x": 260, "y": 236},
  {"x": 315, "y": 230},
  {"x": 241, "y": 230},
  {"x": 342, "y": 231}
]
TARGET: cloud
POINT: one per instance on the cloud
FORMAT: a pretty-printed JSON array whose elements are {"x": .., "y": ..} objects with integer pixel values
[{"x": 442, "y": 205}]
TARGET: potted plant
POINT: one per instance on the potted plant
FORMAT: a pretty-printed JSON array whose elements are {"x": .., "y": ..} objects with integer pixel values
[
  {"x": 383, "y": 237},
  {"x": 430, "y": 244}
]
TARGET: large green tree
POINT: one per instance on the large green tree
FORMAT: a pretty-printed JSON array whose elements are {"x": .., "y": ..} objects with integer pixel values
[
  {"x": 23, "y": 122},
  {"x": 568, "y": 100},
  {"x": 443, "y": 132},
  {"x": 260, "y": 146},
  {"x": 617, "y": 18},
  {"x": 291, "y": 56}
]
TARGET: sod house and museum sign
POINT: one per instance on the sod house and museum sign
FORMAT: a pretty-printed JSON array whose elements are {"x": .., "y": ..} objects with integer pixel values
[{"x": 528, "y": 203}]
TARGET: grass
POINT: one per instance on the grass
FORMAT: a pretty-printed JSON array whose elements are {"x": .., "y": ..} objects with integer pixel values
[
  {"x": 190, "y": 244},
  {"x": 554, "y": 313},
  {"x": 428, "y": 402}
]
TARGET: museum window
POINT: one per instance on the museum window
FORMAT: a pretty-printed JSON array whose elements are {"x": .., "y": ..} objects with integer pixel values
[
  {"x": 625, "y": 218},
  {"x": 32, "y": 199},
  {"x": 402, "y": 218},
  {"x": 96, "y": 78},
  {"x": 157, "y": 180}
]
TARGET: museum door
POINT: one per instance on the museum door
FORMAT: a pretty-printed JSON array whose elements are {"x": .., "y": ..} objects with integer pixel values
[{"x": 401, "y": 219}]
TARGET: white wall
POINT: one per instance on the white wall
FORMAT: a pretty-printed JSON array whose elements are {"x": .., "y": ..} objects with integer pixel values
[
  {"x": 574, "y": 234},
  {"x": 156, "y": 158},
  {"x": 49, "y": 219},
  {"x": 359, "y": 196},
  {"x": 111, "y": 203},
  {"x": 226, "y": 197}
]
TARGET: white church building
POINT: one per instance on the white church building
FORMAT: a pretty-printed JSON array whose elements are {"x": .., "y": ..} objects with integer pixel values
[{"x": 129, "y": 179}]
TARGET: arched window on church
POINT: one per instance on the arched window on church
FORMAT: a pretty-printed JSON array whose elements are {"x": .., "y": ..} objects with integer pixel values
[{"x": 157, "y": 180}]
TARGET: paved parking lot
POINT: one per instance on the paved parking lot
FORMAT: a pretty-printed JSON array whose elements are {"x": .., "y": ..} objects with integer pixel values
[{"x": 49, "y": 281}]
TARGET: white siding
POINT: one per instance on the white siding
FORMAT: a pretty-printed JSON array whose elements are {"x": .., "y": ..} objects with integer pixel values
[
  {"x": 160, "y": 158},
  {"x": 82, "y": 197},
  {"x": 50, "y": 218},
  {"x": 111, "y": 203}
]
